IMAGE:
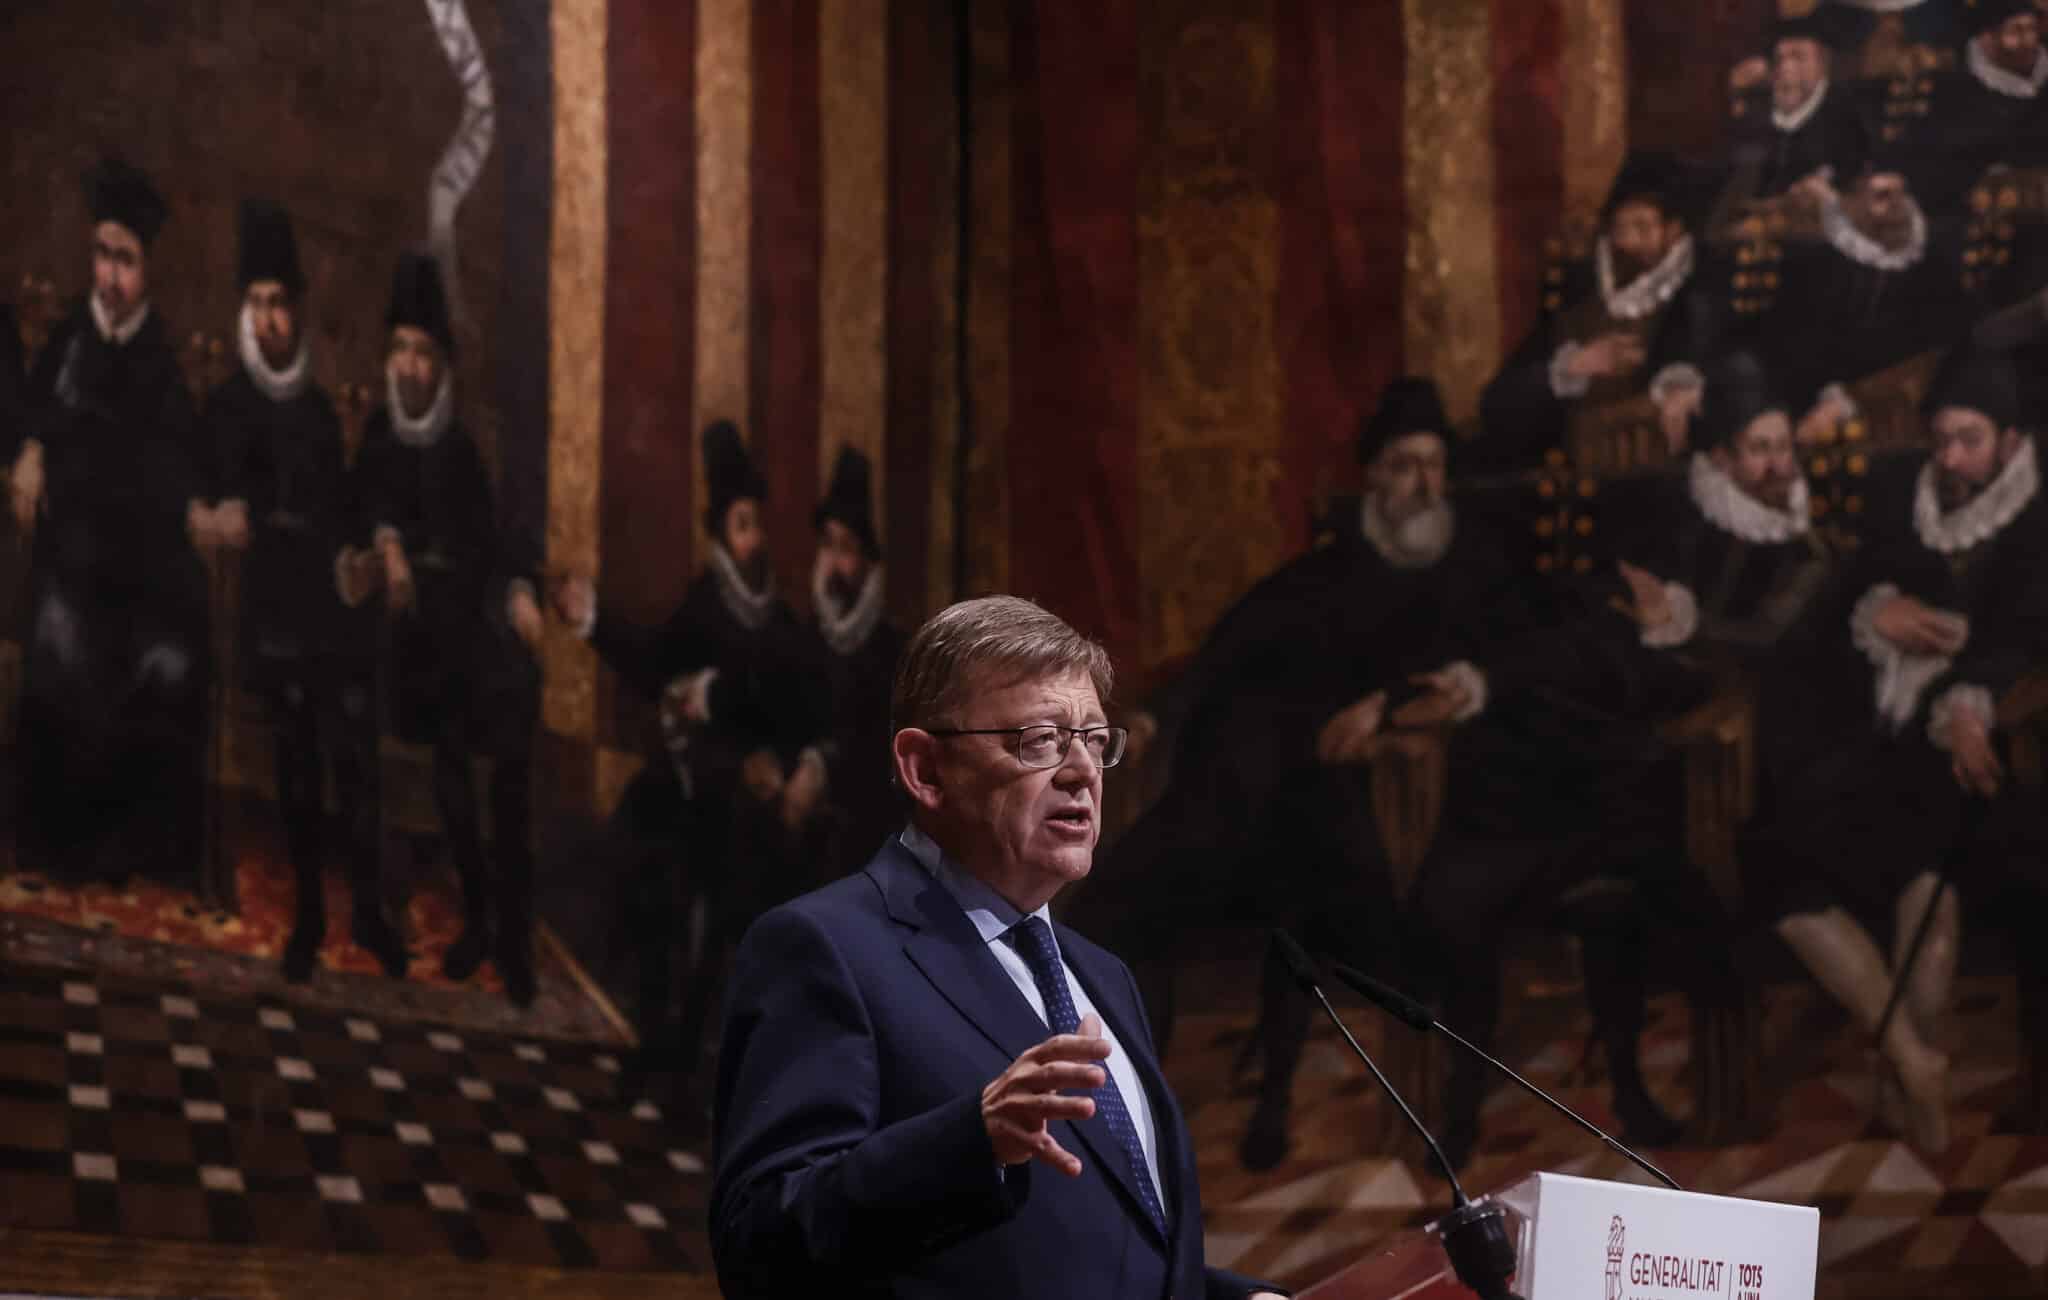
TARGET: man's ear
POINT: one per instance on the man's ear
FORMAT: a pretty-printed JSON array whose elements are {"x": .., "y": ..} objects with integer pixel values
[
  {"x": 916, "y": 753},
  {"x": 1718, "y": 456},
  {"x": 2009, "y": 445}
]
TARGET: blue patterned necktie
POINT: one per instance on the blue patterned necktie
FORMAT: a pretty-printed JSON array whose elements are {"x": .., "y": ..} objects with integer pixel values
[{"x": 1033, "y": 938}]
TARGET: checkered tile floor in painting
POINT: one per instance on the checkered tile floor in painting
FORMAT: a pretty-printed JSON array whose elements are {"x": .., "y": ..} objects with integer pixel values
[
  {"x": 1895, "y": 1224},
  {"x": 154, "y": 1111}
]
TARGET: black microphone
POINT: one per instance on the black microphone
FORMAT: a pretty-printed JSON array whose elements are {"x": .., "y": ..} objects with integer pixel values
[
  {"x": 1474, "y": 1236},
  {"x": 1406, "y": 1009}
]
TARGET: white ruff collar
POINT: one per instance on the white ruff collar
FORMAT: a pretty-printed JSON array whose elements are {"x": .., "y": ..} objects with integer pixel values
[
  {"x": 1800, "y": 116},
  {"x": 1988, "y": 512},
  {"x": 2010, "y": 84},
  {"x": 745, "y": 604},
  {"x": 427, "y": 429},
  {"x": 116, "y": 335},
  {"x": 278, "y": 385},
  {"x": 1648, "y": 291},
  {"x": 1883, "y": 6},
  {"x": 1862, "y": 249},
  {"x": 1378, "y": 532},
  {"x": 1732, "y": 510},
  {"x": 847, "y": 630}
]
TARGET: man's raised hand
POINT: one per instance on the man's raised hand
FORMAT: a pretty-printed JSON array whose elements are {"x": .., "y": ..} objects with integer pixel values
[
  {"x": 1446, "y": 697},
  {"x": 1649, "y": 603},
  {"x": 1972, "y": 759},
  {"x": 1919, "y": 629},
  {"x": 25, "y": 486},
  {"x": 575, "y": 600},
  {"x": 1018, "y": 1104},
  {"x": 1347, "y": 736},
  {"x": 1607, "y": 356}
]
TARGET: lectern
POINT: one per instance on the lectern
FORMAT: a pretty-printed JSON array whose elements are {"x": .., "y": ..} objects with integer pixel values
[{"x": 1586, "y": 1239}]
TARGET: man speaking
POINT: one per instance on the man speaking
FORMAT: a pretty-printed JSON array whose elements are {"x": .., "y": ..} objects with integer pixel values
[{"x": 926, "y": 1087}]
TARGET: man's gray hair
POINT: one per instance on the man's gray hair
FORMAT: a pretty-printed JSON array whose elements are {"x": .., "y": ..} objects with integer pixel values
[{"x": 988, "y": 642}]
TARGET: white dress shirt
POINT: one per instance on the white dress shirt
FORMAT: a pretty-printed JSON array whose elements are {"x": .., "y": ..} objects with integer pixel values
[{"x": 993, "y": 916}]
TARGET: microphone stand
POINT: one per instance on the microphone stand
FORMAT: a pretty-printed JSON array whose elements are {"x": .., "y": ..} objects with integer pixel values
[
  {"x": 1475, "y": 1236},
  {"x": 1404, "y": 1008}
]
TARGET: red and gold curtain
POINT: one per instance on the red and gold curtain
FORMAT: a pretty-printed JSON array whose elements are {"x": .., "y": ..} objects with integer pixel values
[{"x": 1196, "y": 239}]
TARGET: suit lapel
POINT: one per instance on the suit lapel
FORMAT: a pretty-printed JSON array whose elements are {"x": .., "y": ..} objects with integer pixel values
[{"x": 950, "y": 952}]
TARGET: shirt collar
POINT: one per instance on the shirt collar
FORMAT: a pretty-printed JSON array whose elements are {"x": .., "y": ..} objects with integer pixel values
[
  {"x": 2010, "y": 84},
  {"x": 992, "y": 914},
  {"x": 1800, "y": 116},
  {"x": 119, "y": 335},
  {"x": 1732, "y": 510}
]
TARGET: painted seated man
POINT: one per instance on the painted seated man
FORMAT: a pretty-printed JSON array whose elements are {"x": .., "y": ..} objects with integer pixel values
[
  {"x": 1798, "y": 120},
  {"x": 1561, "y": 780},
  {"x": 1266, "y": 814},
  {"x": 1988, "y": 111},
  {"x": 1882, "y": 284},
  {"x": 738, "y": 771},
  {"x": 858, "y": 645},
  {"x": 1880, "y": 742},
  {"x": 278, "y": 491},
  {"x": 1633, "y": 320},
  {"x": 116, "y": 666}
]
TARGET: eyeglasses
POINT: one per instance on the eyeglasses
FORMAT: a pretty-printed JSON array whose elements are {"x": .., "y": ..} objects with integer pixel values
[{"x": 1046, "y": 745}]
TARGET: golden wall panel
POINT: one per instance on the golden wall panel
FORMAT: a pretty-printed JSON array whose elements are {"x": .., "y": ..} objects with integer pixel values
[
  {"x": 1595, "y": 57},
  {"x": 853, "y": 105},
  {"x": 985, "y": 522},
  {"x": 944, "y": 267},
  {"x": 1450, "y": 301},
  {"x": 1210, "y": 401},
  {"x": 724, "y": 114},
  {"x": 576, "y": 266}
]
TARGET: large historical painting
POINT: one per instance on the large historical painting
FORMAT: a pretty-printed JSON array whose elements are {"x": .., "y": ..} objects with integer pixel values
[
  {"x": 1670, "y": 602},
  {"x": 276, "y": 426}
]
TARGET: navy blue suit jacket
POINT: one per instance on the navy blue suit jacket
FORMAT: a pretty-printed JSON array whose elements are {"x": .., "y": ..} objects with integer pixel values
[{"x": 862, "y": 1023}]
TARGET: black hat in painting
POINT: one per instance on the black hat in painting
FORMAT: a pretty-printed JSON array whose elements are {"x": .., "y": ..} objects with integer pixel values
[
  {"x": 1985, "y": 382},
  {"x": 729, "y": 472},
  {"x": 1408, "y": 404},
  {"x": 1738, "y": 390},
  {"x": 120, "y": 193},
  {"x": 268, "y": 249},
  {"x": 1649, "y": 177},
  {"x": 420, "y": 299},
  {"x": 1823, "y": 24},
  {"x": 1981, "y": 15},
  {"x": 848, "y": 499}
]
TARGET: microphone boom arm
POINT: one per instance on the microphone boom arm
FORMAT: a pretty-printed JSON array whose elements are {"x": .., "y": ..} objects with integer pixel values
[{"x": 1403, "y": 1007}]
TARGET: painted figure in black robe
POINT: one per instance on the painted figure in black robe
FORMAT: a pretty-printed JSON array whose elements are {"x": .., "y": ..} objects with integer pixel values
[
  {"x": 1798, "y": 120},
  {"x": 1875, "y": 37},
  {"x": 115, "y": 672},
  {"x": 711, "y": 823},
  {"x": 278, "y": 491},
  {"x": 1635, "y": 319},
  {"x": 1987, "y": 111},
  {"x": 462, "y": 676},
  {"x": 857, "y": 645},
  {"x": 1884, "y": 56},
  {"x": 1881, "y": 285},
  {"x": 1878, "y": 737},
  {"x": 11, "y": 378},
  {"x": 1266, "y": 814},
  {"x": 1559, "y": 782}
]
